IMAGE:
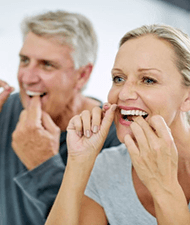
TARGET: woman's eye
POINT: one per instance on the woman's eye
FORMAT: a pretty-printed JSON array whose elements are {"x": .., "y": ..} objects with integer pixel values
[
  {"x": 148, "y": 80},
  {"x": 117, "y": 79}
]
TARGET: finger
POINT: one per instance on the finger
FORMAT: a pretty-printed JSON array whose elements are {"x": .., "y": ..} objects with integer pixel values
[
  {"x": 96, "y": 119},
  {"x": 148, "y": 130},
  {"x": 5, "y": 93},
  {"x": 22, "y": 120},
  {"x": 48, "y": 123},
  {"x": 4, "y": 84},
  {"x": 34, "y": 109},
  {"x": 131, "y": 146},
  {"x": 140, "y": 138},
  {"x": 108, "y": 119},
  {"x": 106, "y": 106},
  {"x": 23, "y": 116},
  {"x": 86, "y": 123},
  {"x": 157, "y": 132},
  {"x": 164, "y": 133},
  {"x": 159, "y": 125},
  {"x": 75, "y": 124},
  {"x": 78, "y": 125}
]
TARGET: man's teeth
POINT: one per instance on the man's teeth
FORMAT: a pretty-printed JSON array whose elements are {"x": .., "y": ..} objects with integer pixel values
[
  {"x": 31, "y": 93},
  {"x": 133, "y": 112}
]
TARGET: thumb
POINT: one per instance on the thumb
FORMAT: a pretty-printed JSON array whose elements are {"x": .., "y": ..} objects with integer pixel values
[
  {"x": 108, "y": 119},
  {"x": 48, "y": 123}
]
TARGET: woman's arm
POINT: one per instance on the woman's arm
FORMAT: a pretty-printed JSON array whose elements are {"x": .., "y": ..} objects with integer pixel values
[
  {"x": 171, "y": 206},
  {"x": 83, "y": 149},
  {"x": 155, "y": 159}
]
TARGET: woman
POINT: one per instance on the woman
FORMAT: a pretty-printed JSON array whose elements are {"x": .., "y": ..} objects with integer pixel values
[{"x": 146, "y": 180}]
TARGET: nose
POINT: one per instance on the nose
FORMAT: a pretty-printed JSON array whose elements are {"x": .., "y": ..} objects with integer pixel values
[
  {"x": 29, "y": 75},
  {"x": 128, "y": 91}
]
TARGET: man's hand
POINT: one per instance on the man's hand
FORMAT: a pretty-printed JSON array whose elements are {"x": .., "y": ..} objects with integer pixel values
[
  {"x": 36, "y": 137},
  {"x": 5, "y": 93}
]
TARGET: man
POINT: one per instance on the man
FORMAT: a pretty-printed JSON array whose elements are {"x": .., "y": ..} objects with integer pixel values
[{"x": 56, "y": 60}]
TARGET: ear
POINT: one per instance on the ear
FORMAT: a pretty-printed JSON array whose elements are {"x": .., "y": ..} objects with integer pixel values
[
  {"x": 84, "y": 75},
  {"x": 185, "y": 106}
]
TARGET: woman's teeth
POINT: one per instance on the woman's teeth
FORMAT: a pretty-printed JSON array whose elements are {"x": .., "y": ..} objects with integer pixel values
[{"x": 127, "y": 114}]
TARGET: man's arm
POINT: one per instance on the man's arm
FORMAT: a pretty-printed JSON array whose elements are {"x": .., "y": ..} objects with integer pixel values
[
  {"x": 36, "y": 143},
  {"x": 41, "y": 184}
]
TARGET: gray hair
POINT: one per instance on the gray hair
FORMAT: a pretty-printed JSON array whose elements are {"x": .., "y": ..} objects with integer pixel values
[
  {"x": 177, "y": 39},
  {"x": 68, "y": 28}
]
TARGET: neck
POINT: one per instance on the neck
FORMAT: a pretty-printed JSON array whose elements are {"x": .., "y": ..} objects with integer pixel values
[{"x": 75, "y": 107}]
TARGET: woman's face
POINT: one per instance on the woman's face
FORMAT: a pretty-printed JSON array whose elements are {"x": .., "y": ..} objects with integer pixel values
[{"x": 146, "y": 82}]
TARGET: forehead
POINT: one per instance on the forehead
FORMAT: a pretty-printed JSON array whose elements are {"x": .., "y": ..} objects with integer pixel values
[
  {"x": 45, "y": 48},
  {"x": 147, "y": 50}
]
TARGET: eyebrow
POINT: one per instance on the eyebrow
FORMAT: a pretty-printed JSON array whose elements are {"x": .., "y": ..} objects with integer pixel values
[
  {"x": 41, "y": 60},
  {"x": 21, "y": 55},
  {"x": 116, "y": 69},
  {"x": 139, "y": 70},
  {"x": 148, "y": 69}
]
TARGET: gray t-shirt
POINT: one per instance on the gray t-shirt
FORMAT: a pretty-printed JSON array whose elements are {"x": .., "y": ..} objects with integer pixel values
[{"x": 111, "y": 186}]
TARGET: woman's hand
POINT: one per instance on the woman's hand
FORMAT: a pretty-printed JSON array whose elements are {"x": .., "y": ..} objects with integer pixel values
[
  {"x": 153, "y": 153},
  {"x": 88, "y": 131},
  {"x": 155, "y": 158}
]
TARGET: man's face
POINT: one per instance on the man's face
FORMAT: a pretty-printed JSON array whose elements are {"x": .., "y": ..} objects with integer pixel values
[{"x": 47, "y": 69}]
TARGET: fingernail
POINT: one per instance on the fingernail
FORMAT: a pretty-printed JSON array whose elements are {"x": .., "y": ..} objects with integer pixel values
[
  {"x": 114, "y": 107},
  {"x": 106, "y": 106},
  {"x": 87, "y": 132},
  {"x": 79, "y": 133},
  {"x": 7, "y": 87},
  {"x": 95, "y": 129}
]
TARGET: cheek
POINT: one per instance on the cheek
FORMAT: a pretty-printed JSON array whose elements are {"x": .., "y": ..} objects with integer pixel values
[
  {"x": 19, "y": 75},
  {"x": 112, "y": 96}
]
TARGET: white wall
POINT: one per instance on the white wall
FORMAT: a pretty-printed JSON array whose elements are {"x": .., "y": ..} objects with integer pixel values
[{"x": 111, "y": 19}]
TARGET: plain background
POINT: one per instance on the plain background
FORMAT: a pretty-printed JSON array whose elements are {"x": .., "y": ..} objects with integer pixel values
[{"x": 111, "y": 19}]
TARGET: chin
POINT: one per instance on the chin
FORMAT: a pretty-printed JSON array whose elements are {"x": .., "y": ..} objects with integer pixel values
[{"x": 122, "y": 132}]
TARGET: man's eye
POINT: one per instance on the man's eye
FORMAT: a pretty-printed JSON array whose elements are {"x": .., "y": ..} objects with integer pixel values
[
  {"x": 148, "y": 80},
  {"x": 24, "y": 60},
  {"x": 47, "y": 64},
  {"x": 117, "y": 79}
]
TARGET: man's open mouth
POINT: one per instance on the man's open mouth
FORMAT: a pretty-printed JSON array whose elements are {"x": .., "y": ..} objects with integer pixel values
[
  {"x": 32, "y": 93},
  {"x": 129, "y": 114}
]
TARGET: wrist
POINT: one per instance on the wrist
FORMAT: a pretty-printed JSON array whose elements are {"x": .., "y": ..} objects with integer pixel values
[{"x": 171, "y": 206}]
